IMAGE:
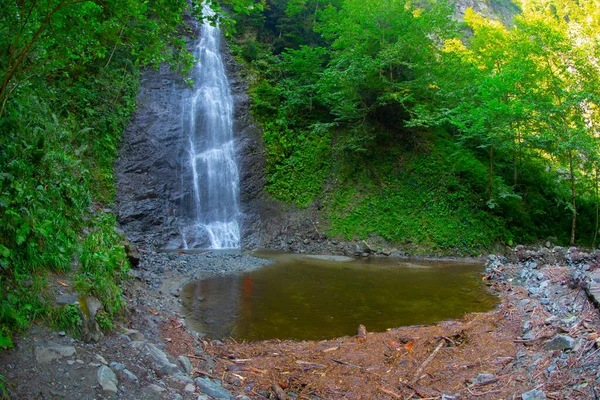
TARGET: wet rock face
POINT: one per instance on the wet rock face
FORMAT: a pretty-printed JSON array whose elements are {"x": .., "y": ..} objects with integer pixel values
[
  {"x": 150, "y": 190},
  {"x": 147, "y": 186}
]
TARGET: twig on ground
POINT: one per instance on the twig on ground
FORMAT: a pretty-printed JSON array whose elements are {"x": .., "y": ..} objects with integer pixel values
[
  {"x": 200, "y": 372},
  {"x": 386, "y": 391},
  {"x": 418, "y": 372},
  {"x": 346, "y": 363}
]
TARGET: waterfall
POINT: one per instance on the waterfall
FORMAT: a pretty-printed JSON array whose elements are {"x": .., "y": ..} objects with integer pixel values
[{"x": 210, "y": 215}]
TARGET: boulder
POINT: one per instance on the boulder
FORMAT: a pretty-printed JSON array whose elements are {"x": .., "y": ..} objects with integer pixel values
[
  {"x": 46, "y": 352},
  {"x": 185, "y": 364},
  {"x": 212, "y": 389},
  {"x": 107, "y": 379},
  {"x": 160, "y": 360},
  {"x": 560, "y": 342}
]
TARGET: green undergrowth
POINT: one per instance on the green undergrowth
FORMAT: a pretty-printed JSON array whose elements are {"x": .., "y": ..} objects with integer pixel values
[
  {"x": 426, "y": 197},
  {"x": 58, "y": 144}
]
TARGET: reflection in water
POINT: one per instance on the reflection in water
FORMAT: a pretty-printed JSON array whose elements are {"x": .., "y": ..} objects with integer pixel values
[{"x": 316, "y": 299}]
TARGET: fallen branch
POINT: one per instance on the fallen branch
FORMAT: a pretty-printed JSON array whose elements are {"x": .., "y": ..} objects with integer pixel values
[
  {"x": 279, "y": 392},
  {"x": 386, "y": 391},
  {"x": 200, "y": 372},
  {"x": 346, "y": 363},
  {"x": 245, "y": 368},
  {"x": 309, "y": 364},
  {"x": 415, "y": 377},
  {"x": 331, "y": 349},
  {"x": 535, "y": 339}
]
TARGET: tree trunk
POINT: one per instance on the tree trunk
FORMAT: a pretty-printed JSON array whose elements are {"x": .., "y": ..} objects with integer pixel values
[
  {"x": 573, "y": 198},
  {"x": 597, "y": 211},
  {"x": 491, "y": 174}
]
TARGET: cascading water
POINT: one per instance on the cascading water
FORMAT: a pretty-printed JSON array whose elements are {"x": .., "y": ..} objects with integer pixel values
[{"x": 210, "y": 214}]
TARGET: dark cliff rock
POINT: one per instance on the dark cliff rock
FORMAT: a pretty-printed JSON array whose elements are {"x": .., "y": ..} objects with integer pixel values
[{"x": 150, "y": 189}]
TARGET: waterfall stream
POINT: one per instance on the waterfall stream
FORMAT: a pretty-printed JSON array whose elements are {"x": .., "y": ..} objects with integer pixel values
[{"x": 210, "y": 214}]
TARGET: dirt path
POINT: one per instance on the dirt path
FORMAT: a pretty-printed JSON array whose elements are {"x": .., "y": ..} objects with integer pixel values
[{"x": 541, "y": 342}]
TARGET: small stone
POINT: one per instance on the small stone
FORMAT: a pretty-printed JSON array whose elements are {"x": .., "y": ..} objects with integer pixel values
[
  {"x": 533, "y": 395},
  {"x": 185, "y": 364},
  {"x": 154, "y": 389},
  {"x": 101, "y": 359},
  {"x": 529, "y": 336},
  {"x": 134, "y": 335},
  {"x": 62, "y": 333},
  {"x": 130, "y": 375},
  {"x": 523, "y": 303},
  {"x": 190, "y": 388},
  {"x": 67, "y": 299},
  {"x": 117, "y": 366},
  {"x": 107, "y": 379},
  {"x": 482, "y": 378},
  {"x": 560, "y": 342}
]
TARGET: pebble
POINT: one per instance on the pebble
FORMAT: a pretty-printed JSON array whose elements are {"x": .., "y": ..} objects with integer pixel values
[
  {"x": 190, "y": 388},
  {"x": 101, "y": 359},
  {"x": 130, "y": 375},
  {"x": 117, "y": 366}
]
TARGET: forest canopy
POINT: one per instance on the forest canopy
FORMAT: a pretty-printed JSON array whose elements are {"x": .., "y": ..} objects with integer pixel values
[{"x": 493, "y": 114}]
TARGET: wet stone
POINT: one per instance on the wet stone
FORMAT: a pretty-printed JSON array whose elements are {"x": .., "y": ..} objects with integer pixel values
[
  {"x": 46, "y": 352},
  {"x": 185, "y": 364},
  {"x": 482, "y": 378},
  {"x": 107, "y": 379},
  {"x": 212, "y": 389},
  {"x": 560, "y": 342},
  {"x": 533, "y": 395}
]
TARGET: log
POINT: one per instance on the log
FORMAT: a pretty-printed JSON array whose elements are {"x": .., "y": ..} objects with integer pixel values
[
  {"x": 362, "y": 333},
  {"x": 279, "y": 392}
]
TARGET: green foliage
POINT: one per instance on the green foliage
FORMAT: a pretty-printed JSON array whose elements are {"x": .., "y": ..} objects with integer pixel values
[
  {"x": 412, "y": 202},
  {"x": 103, "y": 265},
  {"x": 67, "y": 318},
  {"x": 69, "y": 72},
  {"x": 519, "y": 100},
  {"x": 4, "y": 394},
  {"x": 104, "y": 321},
  {"x": 297, "y": 162}
]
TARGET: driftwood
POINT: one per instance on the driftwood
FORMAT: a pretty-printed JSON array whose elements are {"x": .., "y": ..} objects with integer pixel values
[
  {"x": 418, "y": 372},
  {"x": 279, "y": 392},
  {"x": 362, "y": 333}
]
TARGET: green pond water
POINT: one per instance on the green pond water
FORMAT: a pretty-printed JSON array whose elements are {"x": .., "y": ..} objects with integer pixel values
[{"x": 306, "y": 298}]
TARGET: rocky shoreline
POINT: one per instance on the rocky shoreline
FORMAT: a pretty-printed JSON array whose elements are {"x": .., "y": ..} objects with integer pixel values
[{"x": 546, "y": 314}]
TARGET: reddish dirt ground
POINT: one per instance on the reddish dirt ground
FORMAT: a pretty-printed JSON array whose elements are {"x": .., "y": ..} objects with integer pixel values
[{"x": 418, "y": 362}]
